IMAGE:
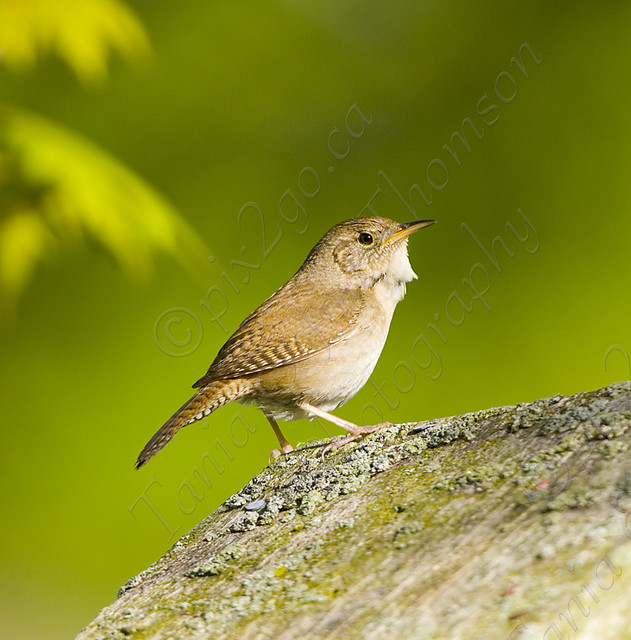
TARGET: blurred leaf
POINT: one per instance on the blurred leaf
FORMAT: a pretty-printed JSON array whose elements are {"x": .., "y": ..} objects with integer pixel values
[
  {"x": 24, "y": 237},
  {"x": 56, "y": 188},
  {"x": 81, "y": 32}
]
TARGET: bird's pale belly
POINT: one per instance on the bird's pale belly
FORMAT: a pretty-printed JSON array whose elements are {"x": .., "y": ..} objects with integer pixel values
[{"x": 325, "y": 380}]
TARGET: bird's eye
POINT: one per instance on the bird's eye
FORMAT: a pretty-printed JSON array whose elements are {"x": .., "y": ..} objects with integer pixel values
[{"x": 365, "y": 238}]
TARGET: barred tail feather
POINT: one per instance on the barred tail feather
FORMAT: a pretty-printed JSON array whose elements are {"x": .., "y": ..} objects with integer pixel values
[{"x": 203, "y": 403}]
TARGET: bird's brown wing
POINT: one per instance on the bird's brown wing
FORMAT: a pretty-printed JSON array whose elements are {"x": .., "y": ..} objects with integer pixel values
[{"x": 290, "y": 326}]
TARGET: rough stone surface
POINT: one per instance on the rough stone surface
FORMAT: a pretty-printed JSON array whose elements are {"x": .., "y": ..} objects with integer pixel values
[{"x": 506, "y": 523}]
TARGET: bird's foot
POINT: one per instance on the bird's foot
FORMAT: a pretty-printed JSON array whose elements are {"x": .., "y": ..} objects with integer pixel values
[
  {"x": 356, "y": 433},
  {"x": 277, "y": 453}
]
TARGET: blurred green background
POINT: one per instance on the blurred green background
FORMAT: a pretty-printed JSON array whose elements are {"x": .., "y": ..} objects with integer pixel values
[{"x": 129, "y": 148}]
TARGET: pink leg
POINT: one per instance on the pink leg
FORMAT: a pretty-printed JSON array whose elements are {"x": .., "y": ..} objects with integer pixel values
[
  {"x": 285, "y": 446},
  {"x": 354, "y": 430}
]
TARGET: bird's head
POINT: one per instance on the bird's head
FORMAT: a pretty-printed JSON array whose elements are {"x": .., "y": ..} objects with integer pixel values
[{"x": 362, "y": 251}]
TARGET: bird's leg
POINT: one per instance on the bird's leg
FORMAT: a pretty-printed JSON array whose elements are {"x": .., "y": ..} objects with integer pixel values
[
  {"x": 354, "y": 430},
  {"x": 285, "y": 447}
]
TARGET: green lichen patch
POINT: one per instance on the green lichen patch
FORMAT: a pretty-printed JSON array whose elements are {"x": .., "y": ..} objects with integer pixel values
[{"x": 479, "y": 478}]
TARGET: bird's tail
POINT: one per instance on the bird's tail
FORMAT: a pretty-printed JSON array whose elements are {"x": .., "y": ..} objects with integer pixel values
[{"x": 203, "y": 403}]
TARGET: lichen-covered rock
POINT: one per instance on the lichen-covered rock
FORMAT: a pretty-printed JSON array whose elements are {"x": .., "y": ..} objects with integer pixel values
[{"x": 507, "y": 523}]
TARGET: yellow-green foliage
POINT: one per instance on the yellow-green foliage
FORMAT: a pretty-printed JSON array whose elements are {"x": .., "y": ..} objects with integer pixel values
[
  {"x": 81, "y": 32},
  {"x": 56, "y": 187}
]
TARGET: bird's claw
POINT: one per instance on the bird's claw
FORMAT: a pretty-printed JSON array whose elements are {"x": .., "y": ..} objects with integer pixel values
[
  {"x": 277, "y": 453},
  {"x": 336, "y": 444},
  {"x": 359, "y": 432}
]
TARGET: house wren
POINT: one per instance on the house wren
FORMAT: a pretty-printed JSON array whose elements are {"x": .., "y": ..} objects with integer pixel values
[{"x": 313, "y": 344}]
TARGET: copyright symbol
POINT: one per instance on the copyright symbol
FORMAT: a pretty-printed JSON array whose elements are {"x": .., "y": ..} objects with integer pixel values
[{"x": 178, "y": 332}]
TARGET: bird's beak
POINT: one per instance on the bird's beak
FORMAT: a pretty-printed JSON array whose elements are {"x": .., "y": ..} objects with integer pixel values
[{"x": 408, "y": 228}]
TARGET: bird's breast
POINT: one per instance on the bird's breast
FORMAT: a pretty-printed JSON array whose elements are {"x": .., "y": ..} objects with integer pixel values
[{"x": 328, "y": 378}]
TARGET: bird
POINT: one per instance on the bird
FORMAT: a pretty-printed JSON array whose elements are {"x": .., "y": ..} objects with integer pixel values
[{"x": 313, "y": 344}]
